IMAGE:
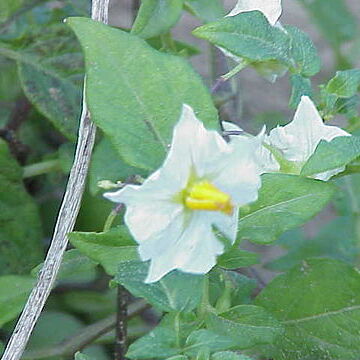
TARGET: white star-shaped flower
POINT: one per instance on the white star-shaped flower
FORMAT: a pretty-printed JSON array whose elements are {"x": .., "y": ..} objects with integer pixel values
[
  {"x": 298, "y": 140},
  {"x": 270, "y": 8},
  {"x": 200, "y": 186}
]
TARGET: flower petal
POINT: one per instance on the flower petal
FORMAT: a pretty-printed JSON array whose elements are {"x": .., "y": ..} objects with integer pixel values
[
  {"x": 270, "y": 8},
  {"x": 194, "y": 250},
  {"x": 146, "y": 212},
  {"x": 299, "y": 139}
]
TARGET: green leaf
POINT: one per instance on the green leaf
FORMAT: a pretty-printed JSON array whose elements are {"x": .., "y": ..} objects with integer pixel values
[
  {"x": 137, "y": 110},
  {"x": 50, "y": 73},
  {"x": 207, "y": 340},
  {"x": 206, "y": 10},
  {"x": 303, "y": 52},
  {"x": 106, "y": 164},
  {"x": 156, "y": 17},
  {"x": 334, "y": 154},
  {"x": 249, "y": 36},
  {"x": 8, "y": 7},
  {"x": 330, "y": 242},
  {"x": 159, "y": 343},
  {"x": 164, "y": 341},
  {"x": 246, "y": 325},
  {"x": 14, "y": 291},
  {"x": 300, "y": 86},
  {"x": 108, "y": 249},
  {"x": 318, "y": 302},
  {"x": 227, "y": 355},
  {"x": 20, "y": 226},
  {"x": 178, "y": 357},
  {"x": 334, "y": 19},
  {"x": 236, "y": 258},
  {"x": 345, "y": 83},
  {"x": 176, "y": 291},
  {"x": 285, "y": 202}
]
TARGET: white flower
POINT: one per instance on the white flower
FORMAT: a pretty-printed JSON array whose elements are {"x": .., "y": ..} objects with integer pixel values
[
  {"x": 262, "y": 155},
  {"x": 298, "y": 140},
  {"x": 200, "y": 186},
  {"x": 270, "y": 8}
]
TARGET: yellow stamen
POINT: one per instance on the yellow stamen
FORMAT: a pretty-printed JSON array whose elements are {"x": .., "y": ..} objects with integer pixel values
[{"x": 203, "y": 195}]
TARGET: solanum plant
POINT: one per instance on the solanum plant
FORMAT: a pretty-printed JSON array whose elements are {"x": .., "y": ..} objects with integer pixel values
[{"x": 180, "y": 199}]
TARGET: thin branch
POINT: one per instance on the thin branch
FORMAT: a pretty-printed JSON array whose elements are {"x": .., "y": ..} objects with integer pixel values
[
  {"x": 121, "y": 324},
  {"x": 64, "y": 225},
  {"x": 85, "y": 336}
]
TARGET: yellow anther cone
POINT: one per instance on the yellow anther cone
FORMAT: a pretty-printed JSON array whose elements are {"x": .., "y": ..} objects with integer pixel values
[{"x": 203, "y": 195}]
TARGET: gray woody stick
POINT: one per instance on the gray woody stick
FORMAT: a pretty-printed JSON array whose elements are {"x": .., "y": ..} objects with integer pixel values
[{"x": 64, "y": 224}]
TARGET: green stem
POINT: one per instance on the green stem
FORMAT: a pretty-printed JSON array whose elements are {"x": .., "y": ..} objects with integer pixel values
[
  {"x": 242, "y": 65},
  {"x": 112, "y": 216},
  {"x": 41, "y": 168}
]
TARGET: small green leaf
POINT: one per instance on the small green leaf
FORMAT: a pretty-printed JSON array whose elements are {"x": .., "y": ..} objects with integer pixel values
[
  {"x": 300, "y": 86},
  {"x": 285, "y": 202},
  {"x": 345, "y": 83},
  {"x": 164, "y": 341},
  {"x": 137, "y": 110},
  {"x": 303, "y": 52},
  {"x": 108, "y": 249},
  {"x": 236, "y": 258},
  {"x": 20, "y": 226},
  {"x": 206, "y": 10},
  {"x": 207, "y": 340},
  {"x": 156, "y": 17},
  {"x": 334, "y": 154},
  {"x": 14, "y": 291},
  {"x": 318, "y": 302},
  {"x": 246, "y": 325},
  {"x": 248, "y": 36},
  {"x": 176, "y": 291},
  {"x": 159, "y": 343}
]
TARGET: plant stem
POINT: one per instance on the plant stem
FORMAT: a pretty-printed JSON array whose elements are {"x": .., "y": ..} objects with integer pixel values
[
  {"x": 112, "y": 216},
  {"x": 41, "y": 168},
  {"x": 228, "y": 75},
  {"x": 121, "y": 324}
]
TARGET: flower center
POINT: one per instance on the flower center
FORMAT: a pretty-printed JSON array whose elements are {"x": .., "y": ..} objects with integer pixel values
[{"x": 202, "y": 195}]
